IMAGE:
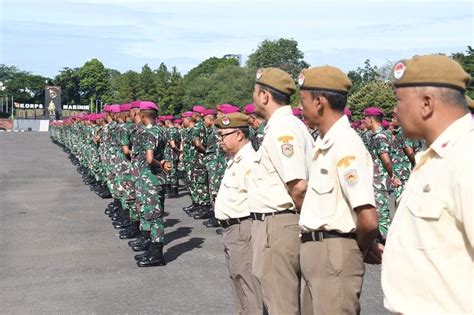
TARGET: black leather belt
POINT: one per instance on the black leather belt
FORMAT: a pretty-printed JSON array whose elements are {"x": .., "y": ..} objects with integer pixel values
[
  {"x": 230, "y": 222},
  {"x": 317, "y": 236},
  {"x": 261, "y": 216}
]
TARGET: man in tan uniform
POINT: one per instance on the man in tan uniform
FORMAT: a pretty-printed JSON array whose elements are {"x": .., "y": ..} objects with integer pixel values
[
  {"x": 233, "y": 214},
  {"x": 427, "y": 265},
  {"x": 338, "y": 217},
  {"x": 277, "y": 185}
]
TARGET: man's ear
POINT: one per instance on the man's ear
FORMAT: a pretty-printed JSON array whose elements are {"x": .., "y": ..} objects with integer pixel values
[{"x": 427, "y": 105}]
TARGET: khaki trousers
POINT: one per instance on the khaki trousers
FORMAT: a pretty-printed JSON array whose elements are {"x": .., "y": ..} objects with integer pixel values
[
  {"x": 276, "y": 262},
  {"x": 238, "y": 253},
  {"x": 333, "y": 269}
]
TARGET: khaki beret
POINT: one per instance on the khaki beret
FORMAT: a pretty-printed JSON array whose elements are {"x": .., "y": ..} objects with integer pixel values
[
  {"x": 233, "y": 120},
  {"x": 430, "y": 70},
  {"x": 276, "y": 79},
  {"x": 470, "y": 102},
  {"x": 324, "y": 78}
]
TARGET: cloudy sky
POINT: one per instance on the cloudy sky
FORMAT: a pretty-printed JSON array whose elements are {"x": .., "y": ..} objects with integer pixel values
[{"x": 43, "y": 36}]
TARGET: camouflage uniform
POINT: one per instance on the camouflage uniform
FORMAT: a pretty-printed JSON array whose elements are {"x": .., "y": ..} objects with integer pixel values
[
  {"x": 189, "y": 155},
  {"x": 401, "y": 163},
  {"x": 151, "y": 183},
  {"x": 380, "y": 142},
  {"x": 199, "y": 176},
  {"x": 172, "y": 156},
  {"x": 256, "y": 136},
  {"x": 215, "y": 161},
  {"x": 366, "y": 136}
]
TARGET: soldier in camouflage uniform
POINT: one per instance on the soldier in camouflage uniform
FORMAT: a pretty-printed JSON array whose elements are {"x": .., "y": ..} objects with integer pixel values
[
  {"x": 257, "y": 126},
  {"x": 403, "y": 157},
  {"x": 199, "y": 175},
  {"x": 172, "y": 154},
  {"x": 189, "y": 155},
  {"x": 151, "y": 181},
  {"x": 380, "y": 148},
  {"x": 215, "y": 162}
]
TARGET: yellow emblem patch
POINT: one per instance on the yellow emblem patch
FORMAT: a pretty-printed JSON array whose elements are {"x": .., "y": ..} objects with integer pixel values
[
  {"x": 285, "y": 139},
  {"x": 345, "y": 161}
]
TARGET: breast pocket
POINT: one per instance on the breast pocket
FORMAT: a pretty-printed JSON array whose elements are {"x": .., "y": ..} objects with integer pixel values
[
  {"x": 232, "y": 186},
  {"x": 324, "y": 186},
  {"x": 426, "y": 211}
]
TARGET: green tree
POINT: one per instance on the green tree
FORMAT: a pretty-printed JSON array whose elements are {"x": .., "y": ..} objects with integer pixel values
[
  {"x": 94, "y": 79},
  {"x": 129, "y": 87},
  {"x": 362, "y": 76},
  {"x": 209, "y": 66},
  {"x": 147, "y": 84},
  {"x": 162, "y": 81},
  {"x": 372, "y": 94},
  {"x": 69, "y": 81},
  {"x": 467, "y": 62},
  {"x": 113, "y": 87},
  {"x": 282, "y": 53},
  {"x": 172, "y": 101},
  {"x": 231, "y": 85}
]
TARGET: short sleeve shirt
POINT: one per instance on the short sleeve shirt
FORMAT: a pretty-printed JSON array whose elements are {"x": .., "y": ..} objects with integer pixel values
[
  {"x": 428, "y": 265},
  {"x": 341, "y": 179},
  {"x": 282, "y": 157},
  {"x": 231, "y": 201}
]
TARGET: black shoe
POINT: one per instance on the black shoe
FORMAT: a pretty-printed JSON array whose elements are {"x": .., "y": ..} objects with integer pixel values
[
  {"x": 173, "y": 193},
  {"x": 219, "y": 231},
  {"x": 121, "y": 224},
  {"x": 131, "y": 232},
  {"x": 136, "y": 241},
  {"x": 142, "y": 256},
  {"x": 155, "y": 258},
  {"x": 204, "y": 214},
  {"x": 211, "y": 223},
  {"x": 194, "y": 211},
  {"x": 144, "y": 246},
  {"x": 191, "y": 206}
]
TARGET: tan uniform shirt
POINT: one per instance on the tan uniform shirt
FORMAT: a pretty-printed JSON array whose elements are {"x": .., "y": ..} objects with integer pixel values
[
  {"x": 427, "y": 265},
  {"x": 282, "y": 157},
  {"x": 231, "y": 200},
  {"x": 341, "y": 179}
]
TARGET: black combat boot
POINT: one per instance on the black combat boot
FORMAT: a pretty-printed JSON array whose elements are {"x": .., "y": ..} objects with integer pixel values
[
  {"x": 132, "y": 231},
  {"x": 211, "y": 223},
  {"x": 155, "y": 258},
  {"x": 205, "y": 213},
  {"x": 145, "y": 244},
  {"x": 173, "y": 193},
  {"x": 190, "y": 207}
]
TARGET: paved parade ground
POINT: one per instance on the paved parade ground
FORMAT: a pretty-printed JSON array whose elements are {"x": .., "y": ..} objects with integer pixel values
[{"x": 60, "y": 253}]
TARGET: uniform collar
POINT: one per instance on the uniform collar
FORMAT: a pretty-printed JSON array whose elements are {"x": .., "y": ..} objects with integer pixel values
[
  {"x": 333, "y": 133},
  {"x": 450, "y": 135},
  {"x": 239, "y": 155},
  {"x": 280, "y": 112}
]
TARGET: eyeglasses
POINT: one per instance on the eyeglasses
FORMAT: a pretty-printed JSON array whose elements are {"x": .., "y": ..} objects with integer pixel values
[{"x": 221, "y": 137}]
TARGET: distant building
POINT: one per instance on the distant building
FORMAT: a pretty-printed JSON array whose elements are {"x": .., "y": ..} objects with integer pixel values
[{"x": 234, "y": 56}]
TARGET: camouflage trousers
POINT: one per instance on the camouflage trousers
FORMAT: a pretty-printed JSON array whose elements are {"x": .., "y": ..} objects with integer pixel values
[
  {"x": 215, "y": 169},
  {"x": 150, "y": 198},
  {"x": 192, "y": 193},
  {"x": 172, "y": 175},
  {"x": 383, "y": 208},
  {"x": 127, "y": 190},
  {"x": 199, "y": 185}
]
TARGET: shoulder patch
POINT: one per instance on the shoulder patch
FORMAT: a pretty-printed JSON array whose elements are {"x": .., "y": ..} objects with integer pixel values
[
  {"x": 285, "y": 139},
  {"x": 351, "y": 177},
  {"x": 287, "y": 149},
  {"x": 345, "y": 161}
]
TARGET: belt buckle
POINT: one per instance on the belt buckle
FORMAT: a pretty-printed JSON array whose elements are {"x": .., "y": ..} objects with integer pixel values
[{"x": 263, "y": 216}]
